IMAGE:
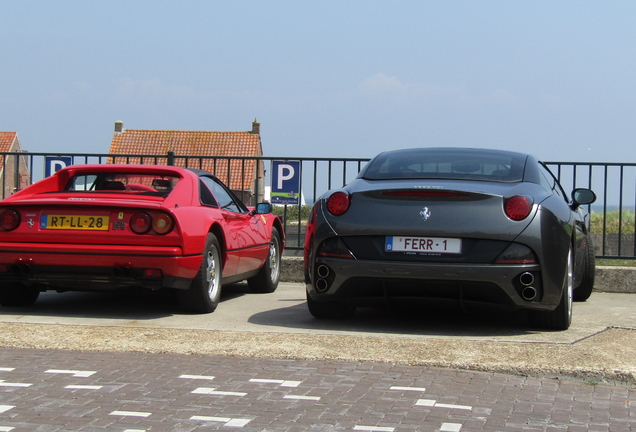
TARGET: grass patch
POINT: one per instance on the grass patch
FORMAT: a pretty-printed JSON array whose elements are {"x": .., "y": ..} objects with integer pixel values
[{"x": 612, "y": 221}]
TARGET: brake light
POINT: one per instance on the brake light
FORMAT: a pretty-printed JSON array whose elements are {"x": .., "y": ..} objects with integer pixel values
[
  {"x": 518, "y": 207},
  {"x": 140, "y": 223},
  {"x": 162, "y": 223},
  {"x": 9, "y": 219},
  {"x": 338, "y": 203}
]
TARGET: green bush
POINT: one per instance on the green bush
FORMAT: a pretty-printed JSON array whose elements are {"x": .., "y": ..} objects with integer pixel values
[{"x": 292, "y": 212}]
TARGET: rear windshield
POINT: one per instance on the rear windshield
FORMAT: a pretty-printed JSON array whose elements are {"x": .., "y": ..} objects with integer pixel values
[
  {"x": 129, "y": 183},
  {"x": 457, "y": 164}
]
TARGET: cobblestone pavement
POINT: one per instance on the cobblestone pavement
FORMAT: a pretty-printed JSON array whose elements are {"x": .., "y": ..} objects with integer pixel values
[{"x": 60, "y": 390}]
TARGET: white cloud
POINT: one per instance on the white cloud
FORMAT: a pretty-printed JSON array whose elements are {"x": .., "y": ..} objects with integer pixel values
[
  {"x": 153, "y": 89},
  {"x": 381, "y": 85}
]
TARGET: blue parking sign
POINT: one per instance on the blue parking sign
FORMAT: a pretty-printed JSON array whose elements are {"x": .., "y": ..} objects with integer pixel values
[
  {"x": 53, "y": 164},
  {"x": 285, "y": 182}
]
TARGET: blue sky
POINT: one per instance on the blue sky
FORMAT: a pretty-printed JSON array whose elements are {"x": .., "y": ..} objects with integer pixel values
[{"x": 326, "y": 78}]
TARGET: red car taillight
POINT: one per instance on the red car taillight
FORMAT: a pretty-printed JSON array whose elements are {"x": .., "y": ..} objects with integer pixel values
[
  {"x": 162, "y": 223},
  {"x": 141, "y": 222},
  {"x": 9, "y": 219},
  {"x": 338, "y": 203},
  {"x": 518, "y": 207}
]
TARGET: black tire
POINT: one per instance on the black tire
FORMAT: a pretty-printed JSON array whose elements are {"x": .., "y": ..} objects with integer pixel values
[
  {"x": 17, "y": 295},
  {"x": 266, "y": 281},
  {"x": 204, "y": 293},
  {"x": 330, "y": 310},
  {"x": 561, "y": 317},
  {"x": 584, "y": 290}
]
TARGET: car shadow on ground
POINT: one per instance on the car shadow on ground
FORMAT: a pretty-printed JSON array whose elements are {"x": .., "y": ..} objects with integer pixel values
[
  {"x": 129, "y": 304},
  {"x": 439, "y": 320}
]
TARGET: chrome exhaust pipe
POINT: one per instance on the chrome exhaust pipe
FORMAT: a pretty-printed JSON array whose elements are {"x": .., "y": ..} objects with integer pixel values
[
  {"x": 25, "y": 269},
  {"x": 323, "y": 271},
  {"x": 526, "y": 279},
  {"x": 321, "y": 285},
  {"x": 529, "y": 293}
]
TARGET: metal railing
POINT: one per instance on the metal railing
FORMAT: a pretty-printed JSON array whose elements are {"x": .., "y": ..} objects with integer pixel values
[{"x": 614, "y": 227}]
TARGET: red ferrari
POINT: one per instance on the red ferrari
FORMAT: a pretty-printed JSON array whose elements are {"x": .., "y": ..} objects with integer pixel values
[{"x": 106, "y": 227}]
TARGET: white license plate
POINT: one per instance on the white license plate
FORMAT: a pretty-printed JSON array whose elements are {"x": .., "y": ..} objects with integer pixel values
[{"x": 423, "y": 244}]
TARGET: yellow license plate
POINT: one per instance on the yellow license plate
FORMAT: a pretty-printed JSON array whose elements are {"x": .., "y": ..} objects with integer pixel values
[{"x": 75, "y": 222}]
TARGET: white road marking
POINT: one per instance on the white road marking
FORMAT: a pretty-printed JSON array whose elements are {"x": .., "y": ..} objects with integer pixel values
[
  {"x": 83, "y": 387},
  {"x": 4, "y": 408},
  {"x": 6, "y": 428},
  {"x": 197, "y": 377},
  {"x": 6, "y": 384},
  {"x": 135, "y": 430},
  {"x": 450, "y": 427},
  {"x": 79, "y": 374},
  {"x": 130, "y": 414},
  {"x": 212, "y": 391},
  {"x": 228, "y": 421},
  {"x": 283, "y": 383},
  {"x": 374, "y": 428},
  {"x": 433, "y": 403},
  {"x": 418, "y": 389},
  {"x": 6, "y": 369},
  {"x": 313, "y": 398}
]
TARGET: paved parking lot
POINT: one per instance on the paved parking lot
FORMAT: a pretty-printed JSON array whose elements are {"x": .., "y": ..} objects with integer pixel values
[{"x": 115, "y": 362}]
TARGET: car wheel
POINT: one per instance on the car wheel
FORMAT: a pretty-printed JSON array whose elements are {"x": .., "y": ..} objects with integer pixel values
[
  {"x": 266, "y": 281},
  {"x": 17, "y": 294},
  {"x": 205, "y": 290},
  {"x": 329, "y": 310},
  {"x": 561, "y": 317},
  {"x": 584, "y": 290}
]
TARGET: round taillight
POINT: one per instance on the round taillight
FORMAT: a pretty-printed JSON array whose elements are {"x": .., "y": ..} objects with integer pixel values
[
  {"x": 338, "y": 203},
  {"x": 518, "y": 207},
  {"x": 9, "y": 219},
  {"x": 162, "y": 223},
  {"x": 140, "y": 223}
]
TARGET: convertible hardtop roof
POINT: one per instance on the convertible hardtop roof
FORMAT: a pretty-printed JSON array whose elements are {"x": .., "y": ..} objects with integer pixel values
[{"x": 457, "y": 151}]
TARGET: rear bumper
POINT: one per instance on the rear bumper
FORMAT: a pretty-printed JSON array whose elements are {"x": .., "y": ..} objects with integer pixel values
[
  {"x": 94, "y": 267},
  {"x": 368, "y": 283}
]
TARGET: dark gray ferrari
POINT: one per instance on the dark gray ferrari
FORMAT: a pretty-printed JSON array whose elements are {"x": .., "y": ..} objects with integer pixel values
[{"x": 480, "y": 228}]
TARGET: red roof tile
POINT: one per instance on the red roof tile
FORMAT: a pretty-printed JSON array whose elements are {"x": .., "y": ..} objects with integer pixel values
[
  {"x": 7, "y": 139},
  {"x": 192, "y": 144}
]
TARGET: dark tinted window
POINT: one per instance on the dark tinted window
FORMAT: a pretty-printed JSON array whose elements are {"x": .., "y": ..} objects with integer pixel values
[
  {"x": 460, "y": 164},
  {"x": 223, "y": 197}
]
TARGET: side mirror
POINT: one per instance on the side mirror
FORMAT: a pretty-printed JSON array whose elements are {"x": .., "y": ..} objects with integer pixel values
[
  {"x": 583, "y": 196},
  {"x": 262, "y": 208}
]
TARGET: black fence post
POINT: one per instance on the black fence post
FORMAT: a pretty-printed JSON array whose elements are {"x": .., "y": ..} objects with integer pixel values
[{"x": 170, "y": 158}]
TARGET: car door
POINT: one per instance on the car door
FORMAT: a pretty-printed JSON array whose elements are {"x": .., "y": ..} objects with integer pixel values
[{"x": 244, "y": 238}]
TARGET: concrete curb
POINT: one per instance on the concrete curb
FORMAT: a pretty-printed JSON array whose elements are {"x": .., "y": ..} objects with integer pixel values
[{"x": 611, "y": 279}]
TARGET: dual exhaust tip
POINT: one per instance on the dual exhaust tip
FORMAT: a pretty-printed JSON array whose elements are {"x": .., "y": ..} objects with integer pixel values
[
  {"x": 323, "y": 272},
  {"x": 21, "y": 269},
  {"x": 528, "y": 292}
]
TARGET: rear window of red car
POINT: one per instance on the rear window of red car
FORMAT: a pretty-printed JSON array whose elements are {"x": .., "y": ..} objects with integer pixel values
[{"x": 131, "y": 183}]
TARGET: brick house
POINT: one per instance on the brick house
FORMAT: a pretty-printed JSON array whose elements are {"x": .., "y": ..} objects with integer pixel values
[
  {"x": 14, "y": 171},
  {"x": 207, "y": 150}
]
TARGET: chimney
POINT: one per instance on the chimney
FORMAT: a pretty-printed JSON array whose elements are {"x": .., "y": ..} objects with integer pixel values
[
  {"x": 119, "y": 126},
  {"x": 256, "y": 127}
]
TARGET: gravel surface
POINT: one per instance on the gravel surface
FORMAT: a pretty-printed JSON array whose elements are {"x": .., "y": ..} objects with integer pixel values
[{"x": 608, "y": 357}]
